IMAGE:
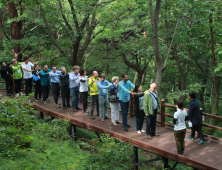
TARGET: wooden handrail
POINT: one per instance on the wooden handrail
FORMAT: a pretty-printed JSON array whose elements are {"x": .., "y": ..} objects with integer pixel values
[{"x": 163, "y": 115}]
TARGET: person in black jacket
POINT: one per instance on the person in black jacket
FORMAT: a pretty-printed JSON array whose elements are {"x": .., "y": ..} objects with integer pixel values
[
  {"x": 195, "y": 117},
  {"x": 65, "y": 90},
  {"x": 5, "y": 74},
  {"x": 138, "y": 108},
  {"x": 38, "y": 90}
]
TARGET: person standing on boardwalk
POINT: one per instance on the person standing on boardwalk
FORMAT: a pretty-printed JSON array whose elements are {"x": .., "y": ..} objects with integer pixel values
[
  {"x": 5, "y": 74},
  {"x": 17, "y": 75},
  {"x": 83, "y": 78},
  {"x": 102, "y": 86},
  {"x": 94, "y": 97},
  {"x": 195, "y": 117},
  {"x": 45, "y": 83},
  {"x": 139, "y": 114},
  {"x": 179, "y": 119},
  {"x": 27, "y": 75},
  {"x": 124, "y": 98},
  {"x": 37, "y": 81},
  {"x": 65, "y": 90},
  {"x": 114, "y": 104},
  {"x": 151, "y": 105},
  {"x": 74, "y": 87},
  {"x": 54, "y": 75}
]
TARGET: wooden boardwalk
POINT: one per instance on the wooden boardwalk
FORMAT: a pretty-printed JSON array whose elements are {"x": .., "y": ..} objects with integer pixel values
[{"x": 207, "y": 156}]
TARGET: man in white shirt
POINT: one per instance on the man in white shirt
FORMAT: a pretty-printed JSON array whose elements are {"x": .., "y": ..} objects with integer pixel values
[{"x": 27, "y": 75}]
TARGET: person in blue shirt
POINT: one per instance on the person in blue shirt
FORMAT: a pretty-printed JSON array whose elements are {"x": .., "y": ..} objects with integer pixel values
[
  {"x": 103, "y": 86},
  {"x": 45, "y": 82},
  {"x": 74, "y": 88},
  {"x": 124, "y": 98},
  {"x": 54, "y": 75}
]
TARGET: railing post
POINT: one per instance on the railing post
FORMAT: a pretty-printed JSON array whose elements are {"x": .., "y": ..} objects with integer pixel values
[
  {"x": 131, "y": 105},
  {"x": 135, "y": 158},
  {"x": 201, "y": 111},
  {"x": 162, "y": 112}
]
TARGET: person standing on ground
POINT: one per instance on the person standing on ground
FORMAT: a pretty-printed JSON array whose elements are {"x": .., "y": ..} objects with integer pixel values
[
  {"x": 5, "y": 74},
  {"x": 65, "y": 90},
  {"x": 94, "y": 94},
  {"x": 180, "y": 127},
  {"x": 17, "y": 75},
  {"x": 102, "y": 86},
  {"x": 54, "y": 75},
  {"x": 124, "y": 98},
  {"x": 45, "y": 83},
  {"x": 151, "y": 105},
  {"x": 74, "y": 87},
  {"x": 27, "y": 75},
  {"x": 195, "y": 117},
  {"x": 139, "y": 114},
  {"x": 83, "y": 78},
  {"x": 37, "y": 81},
  {"x": 115, "y": 106}
]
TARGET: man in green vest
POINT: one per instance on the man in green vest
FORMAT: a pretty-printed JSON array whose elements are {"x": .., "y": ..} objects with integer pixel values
[
  {"x": 151, "y": 105},
  {"x": 17, "y": 75}
]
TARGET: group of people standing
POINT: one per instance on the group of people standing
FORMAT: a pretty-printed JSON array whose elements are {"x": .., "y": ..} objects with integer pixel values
[{"x": 77, "y": 83}]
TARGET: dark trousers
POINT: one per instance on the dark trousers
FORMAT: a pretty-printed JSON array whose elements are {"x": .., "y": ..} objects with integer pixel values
[
  {"x": 84, "y": 97},
  {"x": 151, "y": 124},
  {"x": 139, "y": 120},
  {"x": 197, "y": 128},
  {"x": 38, "y": 90},
  {"x": 179, "y": 138},
  {"x": 18, "y": 85},
  {"x": 8, "y": 83},
  {"x": 65, "y": 96},
  {"x": 55, "y": 91},
  {"x": 45, "y": 92},
  {"x": 28, "y": 86},
  {"x": 94, "y": 100},
  {"x": 124, "y": 108}
]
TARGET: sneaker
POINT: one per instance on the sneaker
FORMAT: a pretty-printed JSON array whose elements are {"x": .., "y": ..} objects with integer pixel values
[
  {"x": 125, "y": 128},
  {"x": 91, "y": 117},
  {"x": 139, "y": 131},
  {"x": 191, "y": 138},
  {"x": 36, "y": 100},
  {"x": 17, "y": 95},
  {"x": 21, "y": 93},
  {"x": 128, "y": 125},
  {"x": 57, "y": 105},
  {"x": 8, "y": 94},
  {"x": 143, "y": 131},
  {"x": 201, "y": 142},
  {"x": 45, "y": 102},
  {"x": 114, "y": 124}
]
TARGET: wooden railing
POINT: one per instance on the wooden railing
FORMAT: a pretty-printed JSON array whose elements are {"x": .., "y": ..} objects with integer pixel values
[{"x": 164, "y": 123}]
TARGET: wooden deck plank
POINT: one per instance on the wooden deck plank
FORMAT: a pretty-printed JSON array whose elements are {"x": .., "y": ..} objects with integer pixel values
[{"x": 209, "y": 154}]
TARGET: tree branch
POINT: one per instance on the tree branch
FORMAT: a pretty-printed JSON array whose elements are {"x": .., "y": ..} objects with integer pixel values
[
  {"x": 23, "y": 50},
  {"x": 131, "y": 65},
  {"x": 34, "y": 53},
  {"x": 203, "y": 70},
  {"x": 64, "y": 17},
  {"x": 164, "y": 66},
  {"x": 1, "y": 22},
  {"x": 74, "y": 15},
  {"x": 48, "y": 28},
  {"x": 33, "y": 28}
]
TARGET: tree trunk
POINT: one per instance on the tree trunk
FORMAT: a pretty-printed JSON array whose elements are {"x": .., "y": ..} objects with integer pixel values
[
  {"x": 215, "y": 104},
  {"x": 16, "y": 29},
  {"x": 159, "y": 58}
]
